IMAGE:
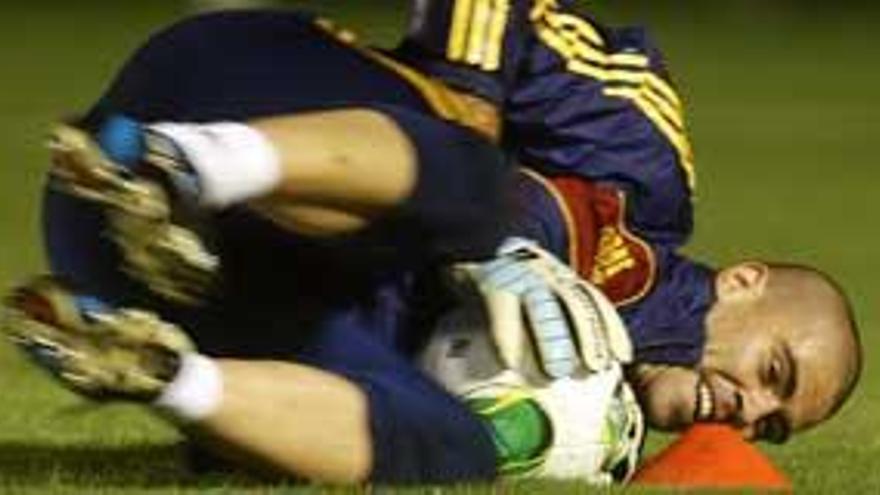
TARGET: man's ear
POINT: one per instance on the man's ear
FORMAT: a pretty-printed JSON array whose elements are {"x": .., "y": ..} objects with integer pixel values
[{"x": 742, "y": 282}]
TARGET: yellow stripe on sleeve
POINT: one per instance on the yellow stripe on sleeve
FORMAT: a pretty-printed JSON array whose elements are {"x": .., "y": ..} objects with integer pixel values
[
  {"x": 665, "y": 89},
  {"x": 662, "y": 106},
  {"x": 555, "y": 41},
  {"x": 478, "y": 30},
  {"x": 461, "y": 23},
  {"x": 497, "y": 28},
  {"x": 477, "y": 33},
  {"x": 626, "y": 75},
  {"x": 576, "y": 46},
  {"x": 567, "y": 21},
  {"x": 678, "y": 140}
]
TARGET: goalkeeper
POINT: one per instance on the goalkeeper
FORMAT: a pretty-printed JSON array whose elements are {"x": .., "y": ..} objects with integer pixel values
[
  {"x": 681, "y": 387},
  {"x": 593, "y": 113},
  {"x": 314, "y": 299}
]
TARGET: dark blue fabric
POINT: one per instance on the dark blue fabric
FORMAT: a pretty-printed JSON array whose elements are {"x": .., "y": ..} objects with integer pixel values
[
  {"x": 561, "y": 122},
  {"x": 539, "y": 217},
  {"x": 427, "y": 435},
  {"x": 459, "y": 206},
  {"x": 351, "y": 305},
  {"x": 668, "y": 325},
  {"x": 240, "y": 65},
  {"x": 323, "y": 317}
]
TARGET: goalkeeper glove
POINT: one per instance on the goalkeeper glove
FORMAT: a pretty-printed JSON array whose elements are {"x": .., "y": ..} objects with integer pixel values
[{"x": 530, "y": 296}]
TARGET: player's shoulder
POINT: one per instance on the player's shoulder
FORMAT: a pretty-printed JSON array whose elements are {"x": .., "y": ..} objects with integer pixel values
[
  {"x": 607, "y": 89},
  {"x": 569, "y": 30}
]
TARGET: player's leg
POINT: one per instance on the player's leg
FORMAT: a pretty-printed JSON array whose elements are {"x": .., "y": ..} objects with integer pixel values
[
  {"x": 382, "y": 168},
  {"x": 266, "y": 414},
  {"x": 291, "y": 418},
  {"x": 356, "y": 162},
  {"x": 241, "y": 67},
  {"x": 295, "y": 418},
  {"x": 370, "y": 415},
  {"x": 427, "y": 188},
  {"x": 361, "y": 163}
]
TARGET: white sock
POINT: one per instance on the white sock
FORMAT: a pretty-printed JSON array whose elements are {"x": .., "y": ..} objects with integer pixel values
[
  {"x": 234, "y": 162},
  {"x": 195, "y": 392}
]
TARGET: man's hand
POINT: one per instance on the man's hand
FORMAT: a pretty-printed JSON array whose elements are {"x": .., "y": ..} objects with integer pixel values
[
  {"x": 531, "y": 297},
  {"x": 588, "y": 426},
  {"x": 538, "y": 354}
]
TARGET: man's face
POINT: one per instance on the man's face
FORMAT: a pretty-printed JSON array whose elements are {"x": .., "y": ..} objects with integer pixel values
[
  {"x": 766, "y": 369},
  {"x": 766, "y": 377}
]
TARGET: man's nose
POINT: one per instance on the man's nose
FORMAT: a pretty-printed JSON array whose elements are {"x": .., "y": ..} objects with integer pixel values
[{"x": 756, "y": 405}]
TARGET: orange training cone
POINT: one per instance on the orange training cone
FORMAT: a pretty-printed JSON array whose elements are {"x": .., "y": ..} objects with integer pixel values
[{"x": 711, "y": 456}]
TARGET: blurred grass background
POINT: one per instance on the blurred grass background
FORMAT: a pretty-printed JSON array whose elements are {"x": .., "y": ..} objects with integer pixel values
[{"x": 784, "y": 100}]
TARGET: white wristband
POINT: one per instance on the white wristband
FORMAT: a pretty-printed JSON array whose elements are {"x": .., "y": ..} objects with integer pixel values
[
  {"x": 196, "y": 391},
  {"x": 234, "y": 162}
]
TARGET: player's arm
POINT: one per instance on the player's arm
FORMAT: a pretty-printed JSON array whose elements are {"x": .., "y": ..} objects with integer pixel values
[
  {"x": 475, "y": 47},
  {"x": 577, "y": 98},
  {"x": 537, "y": 59},
  {"x": 619, "y": 120}
]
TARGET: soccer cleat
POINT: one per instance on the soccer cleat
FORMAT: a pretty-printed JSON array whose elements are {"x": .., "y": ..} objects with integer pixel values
[
  {"x": 98, "y": 351},
  {"x": 148, "y": 216},
  {"x": 81, "y": 168}
]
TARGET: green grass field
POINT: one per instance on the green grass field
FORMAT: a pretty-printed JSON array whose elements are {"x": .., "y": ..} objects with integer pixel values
[{"x": 785, "y": 114}]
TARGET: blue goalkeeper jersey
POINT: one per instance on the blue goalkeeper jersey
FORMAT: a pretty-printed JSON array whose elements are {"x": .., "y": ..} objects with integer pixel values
[{"x": 592, "y": 113}]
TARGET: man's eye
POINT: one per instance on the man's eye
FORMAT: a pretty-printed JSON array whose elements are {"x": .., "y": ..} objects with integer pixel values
[
  {"x": 773, "y": 428},
  {"x": 777, "y": 377},
  {"x": 775, "y": 371}
]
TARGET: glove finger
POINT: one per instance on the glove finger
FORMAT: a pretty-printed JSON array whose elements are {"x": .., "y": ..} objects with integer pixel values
[
  {"x": 587, "y": 326},
  {"x": 551, "y": 331},
  {"x": 613, "y": 326},
  {"x": 583, "y": 320},
  {"x": 509, "y": 275},
  {"x": 506, "y": 326}
]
